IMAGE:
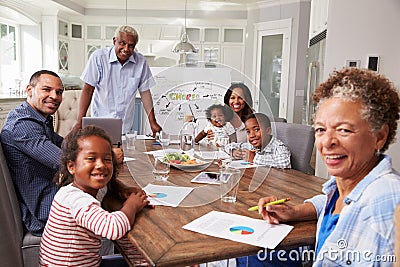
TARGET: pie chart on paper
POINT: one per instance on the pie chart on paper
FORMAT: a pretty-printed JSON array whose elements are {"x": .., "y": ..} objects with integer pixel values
[
  {"x": 157, "y": 195},
  {"x": 241, "y": 230}
]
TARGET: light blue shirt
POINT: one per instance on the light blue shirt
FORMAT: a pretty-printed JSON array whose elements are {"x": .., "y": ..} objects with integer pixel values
[
  {"x": 364, "y": 233},
  {"x": 116, "y": 84}
]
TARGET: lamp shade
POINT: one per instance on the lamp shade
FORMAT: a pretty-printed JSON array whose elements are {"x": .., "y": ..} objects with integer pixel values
[{"x": 184, "y": 46}]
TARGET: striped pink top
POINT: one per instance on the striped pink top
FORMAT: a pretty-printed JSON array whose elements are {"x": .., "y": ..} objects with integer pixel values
[{"x": 72, "y": 236}]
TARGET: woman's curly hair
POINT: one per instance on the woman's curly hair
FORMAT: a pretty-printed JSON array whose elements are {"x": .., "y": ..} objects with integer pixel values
[
  {"x": 378, "y": 95},
  {"x": 70, "y": 149}
]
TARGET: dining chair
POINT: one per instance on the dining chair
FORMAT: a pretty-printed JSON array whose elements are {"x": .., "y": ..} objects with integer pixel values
[
  {"x": 278, "y": 119},
  {"x": 17, "y": 248},
  {"x": 299, "y": 139},
  {"x": 67, "y": 114}
]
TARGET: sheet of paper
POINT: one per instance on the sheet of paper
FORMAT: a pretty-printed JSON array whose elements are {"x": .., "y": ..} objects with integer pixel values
[
  {"x": 126, "y": 159},
  {"x": 144, "y": 137},
  {"x": 166, "y": 195},
  {"x": 213, "y": 154},
  {"x": 240, "y": 228},
  {"x": 241, "y": 164}
]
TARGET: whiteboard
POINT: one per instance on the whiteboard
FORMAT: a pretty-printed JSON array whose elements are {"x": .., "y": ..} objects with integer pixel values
[{"x": 181, "y": 91}]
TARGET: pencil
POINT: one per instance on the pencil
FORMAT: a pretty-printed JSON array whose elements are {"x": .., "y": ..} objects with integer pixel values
[{"x": 276, "y": 202}]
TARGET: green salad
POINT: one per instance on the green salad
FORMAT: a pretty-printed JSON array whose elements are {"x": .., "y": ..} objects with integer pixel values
[{"x": 176, "y": 158}]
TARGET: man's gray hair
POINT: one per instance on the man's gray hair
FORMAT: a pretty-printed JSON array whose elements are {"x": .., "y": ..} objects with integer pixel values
[{"x": 128, "y": 30}]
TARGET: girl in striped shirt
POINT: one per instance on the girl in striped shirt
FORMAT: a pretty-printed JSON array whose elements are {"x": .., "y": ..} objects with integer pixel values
[{"x": 72, "y": 236}]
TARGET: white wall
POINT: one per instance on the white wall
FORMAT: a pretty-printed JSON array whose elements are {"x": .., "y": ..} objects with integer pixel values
[{"x": 358, "y": 28}]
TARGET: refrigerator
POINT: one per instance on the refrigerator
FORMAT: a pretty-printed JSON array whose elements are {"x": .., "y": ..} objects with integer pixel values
[
  {"x": 314, "y": 76},
  {"x": 315, "y": 71}
]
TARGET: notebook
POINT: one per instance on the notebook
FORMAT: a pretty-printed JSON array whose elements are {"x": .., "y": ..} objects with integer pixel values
[{"x": 113, "y": 126}]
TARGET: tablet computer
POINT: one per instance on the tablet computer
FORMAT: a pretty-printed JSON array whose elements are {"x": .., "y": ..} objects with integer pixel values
[{"x": 113, "y": 126}]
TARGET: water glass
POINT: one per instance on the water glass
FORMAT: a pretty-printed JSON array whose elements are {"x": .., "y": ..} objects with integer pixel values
[
  {"x": 130, "y": 139},
  {"x": 164, "y": 138},
  {"x": 225, "y": 163},
  {"x": 229, "y": 183},
  {"x": 161, "y": 169}
]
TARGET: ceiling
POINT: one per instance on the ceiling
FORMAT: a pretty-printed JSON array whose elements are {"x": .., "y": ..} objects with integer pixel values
[{"x": 82, "y": 6}]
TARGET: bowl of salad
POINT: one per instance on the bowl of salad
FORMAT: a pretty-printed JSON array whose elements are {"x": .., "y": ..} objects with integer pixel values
[{"x": 185, "y": 162}]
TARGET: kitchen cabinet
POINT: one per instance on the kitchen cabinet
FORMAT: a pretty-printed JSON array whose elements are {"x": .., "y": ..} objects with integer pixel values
[
  {"x": 233, "y": 48},
  {"x": 151, "y": 32},
  {"x": 207, "y": 41},
  {"x": 171, "y": 32},
  {"x": 224, "y": 45},
  {"x": 63, "y": 28},
  {"x": 318, "y": 17},
  {"x": 233, "y": 56},
  {"x": 6, "y": 105},
  {"x": 76, "y": 31},
  {"x": 98, "y": 36},
  {"x": 63, "y": 55}
]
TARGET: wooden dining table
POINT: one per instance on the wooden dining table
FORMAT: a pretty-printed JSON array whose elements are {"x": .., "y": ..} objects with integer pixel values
[{"x": 158, "y": 234}]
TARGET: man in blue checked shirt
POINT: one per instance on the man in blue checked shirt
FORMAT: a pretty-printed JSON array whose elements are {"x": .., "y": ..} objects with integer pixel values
[{"x": 32, "y": 148}]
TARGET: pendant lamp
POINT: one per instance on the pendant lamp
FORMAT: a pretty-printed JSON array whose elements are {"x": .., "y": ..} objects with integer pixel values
[{"x": 184, "y": 46}]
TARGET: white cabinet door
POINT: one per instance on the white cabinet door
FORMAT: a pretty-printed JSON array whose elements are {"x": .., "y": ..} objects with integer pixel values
[
  {"x": 77, "y": 58},
  {"x": 233, "y": 56}
]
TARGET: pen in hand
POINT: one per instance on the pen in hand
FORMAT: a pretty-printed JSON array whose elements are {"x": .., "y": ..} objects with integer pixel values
[{"x": 276, "y": 202}]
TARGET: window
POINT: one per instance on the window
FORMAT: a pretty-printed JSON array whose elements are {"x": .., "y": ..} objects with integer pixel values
[
  {"x": 9, "y": 59},
  {"x": 8, "y": 44}
]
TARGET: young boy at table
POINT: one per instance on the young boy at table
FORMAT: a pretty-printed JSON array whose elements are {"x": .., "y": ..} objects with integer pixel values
[
  {"x": 262, "y": 148},
  {"x": 77, "y": 221},
  {"x": 218, "y": 116}
]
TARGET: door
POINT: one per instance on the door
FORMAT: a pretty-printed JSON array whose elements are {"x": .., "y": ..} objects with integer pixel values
[{"x": 272, "y": 77}]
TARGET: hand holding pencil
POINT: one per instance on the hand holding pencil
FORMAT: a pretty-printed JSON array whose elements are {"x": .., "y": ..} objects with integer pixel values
[
  {"x": 274, "y": 210},
  {"x": 276, "y": 202}
]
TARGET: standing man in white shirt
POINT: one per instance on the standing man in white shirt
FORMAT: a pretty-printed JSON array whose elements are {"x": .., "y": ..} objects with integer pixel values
[{"x": 112, "y": 76}]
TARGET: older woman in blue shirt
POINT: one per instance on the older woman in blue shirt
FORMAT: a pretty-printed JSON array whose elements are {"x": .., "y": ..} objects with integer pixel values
[{"x": 355, "y": 122}]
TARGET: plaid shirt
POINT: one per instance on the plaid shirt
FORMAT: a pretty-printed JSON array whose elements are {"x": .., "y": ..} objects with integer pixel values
[
  {"x": 364, "y": 233},
  {"x": 33, "y": 154},
  {"x": 275, "y": 154}
]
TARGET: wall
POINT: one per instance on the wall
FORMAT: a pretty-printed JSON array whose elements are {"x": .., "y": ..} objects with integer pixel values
[
  {"x": 360, "y": 27},
  {"x": 299, "y": 11}
]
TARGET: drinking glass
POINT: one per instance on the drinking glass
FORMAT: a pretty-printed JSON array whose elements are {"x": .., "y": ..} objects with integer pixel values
[
  {"x": 221, "y": 142},
  {"x": 229, "y": 183},
  {"x": 161, "y": 169},
  {"x": 130, "y": 139},
  {"x": 164, "y": 138}
]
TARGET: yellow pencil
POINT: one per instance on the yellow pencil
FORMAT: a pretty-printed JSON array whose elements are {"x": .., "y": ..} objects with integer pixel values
[{"x": 276, "y": 202}]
